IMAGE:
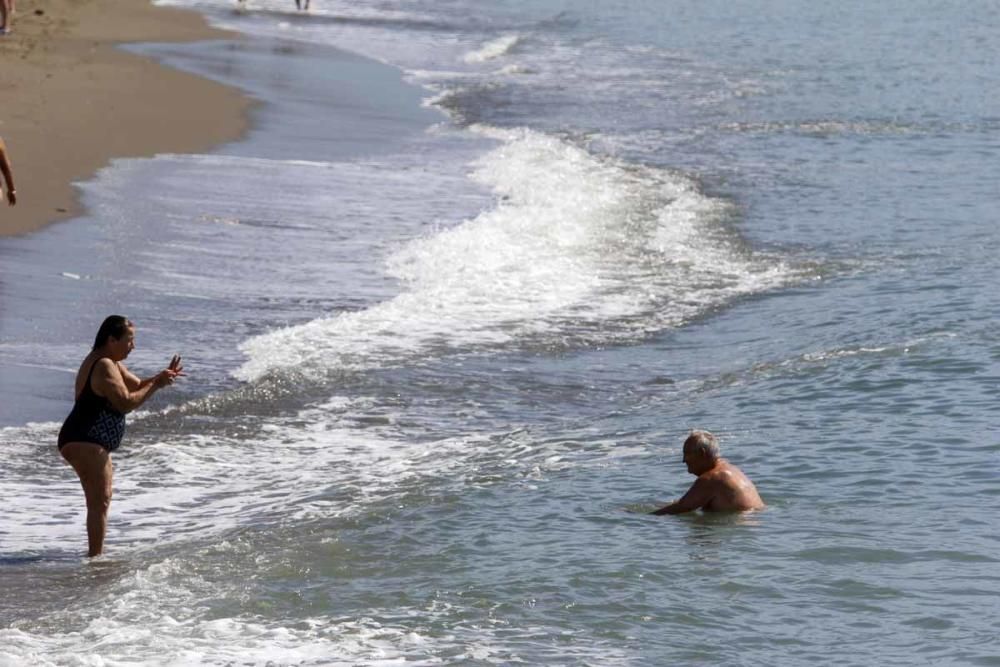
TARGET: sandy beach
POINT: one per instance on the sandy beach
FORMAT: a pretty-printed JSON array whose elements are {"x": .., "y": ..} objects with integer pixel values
[{"x": 72, "y": 101}]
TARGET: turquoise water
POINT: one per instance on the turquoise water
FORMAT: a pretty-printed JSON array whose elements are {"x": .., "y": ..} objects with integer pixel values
[{"x": 453, "y": 304}]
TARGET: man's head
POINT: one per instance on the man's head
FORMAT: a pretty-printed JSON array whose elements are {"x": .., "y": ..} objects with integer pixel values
[{"x": 701, "y": 451}]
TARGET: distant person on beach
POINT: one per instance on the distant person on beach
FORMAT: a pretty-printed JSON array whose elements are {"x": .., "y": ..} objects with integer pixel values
[
  {"x": 105, "y": 391},
  {"x": 720, "y": 486},
  {"x": 8, "y": 173},
  {"x": 299, "y": 4}
]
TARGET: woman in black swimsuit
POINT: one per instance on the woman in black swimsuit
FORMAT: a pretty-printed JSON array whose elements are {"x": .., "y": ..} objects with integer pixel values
[{"x": 105, "y": 391}]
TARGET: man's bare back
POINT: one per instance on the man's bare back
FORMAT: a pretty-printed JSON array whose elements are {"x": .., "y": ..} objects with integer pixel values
[
  {"x": 720, "y": 487},
  {"x": 730, "y": 490}
]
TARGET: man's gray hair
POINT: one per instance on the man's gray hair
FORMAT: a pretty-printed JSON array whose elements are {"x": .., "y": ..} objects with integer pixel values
[{"x": 703, "y": 443}]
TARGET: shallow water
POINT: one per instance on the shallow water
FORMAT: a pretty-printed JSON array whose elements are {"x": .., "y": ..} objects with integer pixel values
[{"x": 442, "y": 357}]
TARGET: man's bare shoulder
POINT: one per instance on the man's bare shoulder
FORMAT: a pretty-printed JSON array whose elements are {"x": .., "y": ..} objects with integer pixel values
[
  {"x": 722, "y": 470},
  {"x": 726, "y": 474}
]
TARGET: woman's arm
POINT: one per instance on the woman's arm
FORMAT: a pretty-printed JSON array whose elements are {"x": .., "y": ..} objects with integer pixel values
[
  {"x": 109, "y": 382},
  {"x": 133, "y": 382},
  {"x": 129, "y": 378}
]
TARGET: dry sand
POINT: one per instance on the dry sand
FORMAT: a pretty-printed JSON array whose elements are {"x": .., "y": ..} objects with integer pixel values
[{"x": 70, "y": 101}]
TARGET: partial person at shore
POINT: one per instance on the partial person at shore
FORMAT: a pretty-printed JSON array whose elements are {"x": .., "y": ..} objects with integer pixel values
[
  {"x": 7, "y": 171},
  {"x": 6, "y": 15},
  {"x": 105, "y": 392},
  {"x": 720, "y": 487}
]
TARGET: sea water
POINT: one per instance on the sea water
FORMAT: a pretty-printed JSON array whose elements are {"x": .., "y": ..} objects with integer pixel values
[{"x": 452, "y": 305}]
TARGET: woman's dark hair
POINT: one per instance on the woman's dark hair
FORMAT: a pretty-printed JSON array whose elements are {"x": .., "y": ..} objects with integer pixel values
[{"x": 114, "y": 326}]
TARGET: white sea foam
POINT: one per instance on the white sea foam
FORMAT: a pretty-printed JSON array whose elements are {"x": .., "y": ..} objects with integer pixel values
[
  {"x": 158, "y": 617},
  {"x": 514, "y": 69},
  {"x": 136, "y": 631},
  {"x": 576, "y": 245},
  {"x": 321, "y": 465},
  {"x": 493, "y": 49},
  {"x": 197, "y": 488},
  {"x": 199, "y": 485}
]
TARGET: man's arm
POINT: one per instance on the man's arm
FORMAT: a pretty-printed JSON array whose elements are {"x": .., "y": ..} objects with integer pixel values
[{"x": 699, "y": 495}]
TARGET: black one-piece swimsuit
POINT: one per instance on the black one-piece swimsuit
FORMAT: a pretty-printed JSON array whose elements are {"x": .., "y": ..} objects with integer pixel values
[{"x": 92, "y": 419}]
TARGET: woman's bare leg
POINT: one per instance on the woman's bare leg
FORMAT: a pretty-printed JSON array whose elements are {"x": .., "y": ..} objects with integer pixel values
[{"x": 92, "y": 464}]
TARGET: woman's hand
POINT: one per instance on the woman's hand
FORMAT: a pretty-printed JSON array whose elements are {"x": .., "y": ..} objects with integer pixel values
[{"x": 167, "y": 376}]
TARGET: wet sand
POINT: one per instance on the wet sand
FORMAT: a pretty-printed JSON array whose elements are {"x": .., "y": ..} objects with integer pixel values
[{"x": 70, "y": 101}]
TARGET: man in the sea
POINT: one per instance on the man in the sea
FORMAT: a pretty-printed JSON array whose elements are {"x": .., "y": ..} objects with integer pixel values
[{"x": 720, "y": 487}]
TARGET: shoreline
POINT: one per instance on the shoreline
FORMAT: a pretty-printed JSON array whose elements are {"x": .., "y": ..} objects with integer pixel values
[
  {"x": 73, "y": 100},
  {"x": 57, "y": 281}
]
